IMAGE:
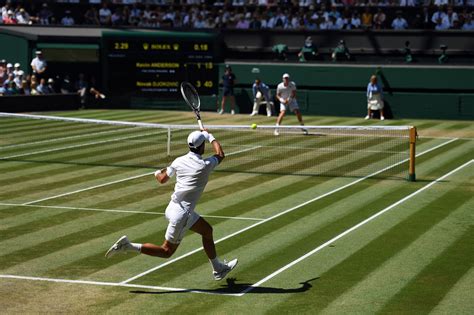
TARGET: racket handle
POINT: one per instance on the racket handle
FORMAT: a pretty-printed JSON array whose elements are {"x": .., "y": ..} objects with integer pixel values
[{"x": 201, "y": 126}]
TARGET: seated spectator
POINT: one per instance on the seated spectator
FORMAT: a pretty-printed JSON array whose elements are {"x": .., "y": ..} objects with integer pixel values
[
  {"x": 242, "y": 23},
  {"x": 439, "y": 14},
  {"x": 309, "y": 51},
  {"x": 399, "y": 23},
  {"x": 9, "y": 18},
  {"x": 451, "y": 17},
  {"x": 440, "y": 2},
  {"x": 45, "y": 16},
  {"x": 23, "y": 17},
  {"x": 367, "y": 18},
  {"x": 441, "y": 25},
  {"x": 42, "y": 88},
  {"x": 10, "y": 69},
  {"x": 91, "y": 17},
  {"x": 117, "y": 18},
  {"x": 312, "y": 24},
  {"x": 11, "y": 88},
  {"x": 468, "y": 24},
  {"x": 379, "y": 19},
  {"x": 355, "y": 20},
  {"x": 50, "y": 86},
  {"x": 18, "y": 77},
  {"x": 67, "y": 20},
  {"x": 33, "y": 88},
  {"x": 24, "y": 89},
  {"x": 81, "y": 87},
  {"x": 341, "y": 52},
  {"x": 3, "y": 71},
  {"x": 16, "y": 69},
  {"x": 105, "y": 15}
]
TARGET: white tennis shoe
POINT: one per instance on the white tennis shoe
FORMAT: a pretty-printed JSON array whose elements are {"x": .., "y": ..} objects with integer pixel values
[
  {"x": 123, "y": 245},
  {"x": 232, "y": 112},
  {"x": 226, "y": 268},
  {"x": 276, "y": 132},
  {"x": 382, "y": 118},
  {"x": 367, "y": 117}
]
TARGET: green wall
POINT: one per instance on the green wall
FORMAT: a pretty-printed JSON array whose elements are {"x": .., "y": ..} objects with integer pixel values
[
  {"x": 15, "y": 49},
  {"x": 339, "y": 90}
]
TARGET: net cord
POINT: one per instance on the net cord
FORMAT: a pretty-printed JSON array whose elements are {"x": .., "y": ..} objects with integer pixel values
[{"x": 193, "y": 127}]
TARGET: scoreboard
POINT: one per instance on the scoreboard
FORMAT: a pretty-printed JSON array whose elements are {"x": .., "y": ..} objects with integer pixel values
[{"x": 153, "y": 64}]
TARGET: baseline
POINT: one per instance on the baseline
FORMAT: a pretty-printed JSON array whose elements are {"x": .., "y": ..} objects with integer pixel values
[{"x": 114, "y": 284}]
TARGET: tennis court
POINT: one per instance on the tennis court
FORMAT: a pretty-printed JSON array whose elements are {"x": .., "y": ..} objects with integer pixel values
[{"x": 317, "y": 230}]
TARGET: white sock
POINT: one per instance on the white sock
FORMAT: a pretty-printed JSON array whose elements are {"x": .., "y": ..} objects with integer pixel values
[
  {"x": 278, "y": 125},
  {"x": 136, "y": 247},
  {"x": 216, "y": 264}
]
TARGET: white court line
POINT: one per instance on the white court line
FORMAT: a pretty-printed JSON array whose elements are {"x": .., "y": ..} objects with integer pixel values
[
  {"x": 114, "y": 284},
  {"x": 168, "y": 262},
  {"x": 80, "y": 145},
  {"x": 123, "y": 211},
  {"x": 62, "y": 138},
  {"x": 355, "y": 227},
  {"x": 117, "y": 181}
]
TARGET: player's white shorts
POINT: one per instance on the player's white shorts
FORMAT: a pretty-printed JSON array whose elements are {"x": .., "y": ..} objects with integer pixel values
[
  {"x": 180, "y": 220},
  {"x": 293, "y": 105}
]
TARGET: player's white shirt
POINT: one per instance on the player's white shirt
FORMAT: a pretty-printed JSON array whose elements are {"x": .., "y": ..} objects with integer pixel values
[
  {"x": 285, "y": 91},
  {"x": 39, "y": 64},
  {"x": 192, "y": 173}
]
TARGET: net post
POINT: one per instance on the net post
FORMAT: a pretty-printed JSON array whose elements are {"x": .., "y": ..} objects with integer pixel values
[
  {"x": 411, "y": 172},
  {"x": 168, "y": 142}
]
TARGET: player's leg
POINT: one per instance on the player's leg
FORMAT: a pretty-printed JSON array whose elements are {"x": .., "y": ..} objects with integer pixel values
[
  {"x": 382, "y": 116},
  {"x": 203, "y": 228},
  {"x": 280, "y": 119},
  {"x": 368, "y": 113},
  {"x": 219, "y": 269},
  {"x": 232, "y": 102},
  {"x": 297, "y": 112},
  {"x": 164, "y": 251},
  {"x": 224, "y": 97}
]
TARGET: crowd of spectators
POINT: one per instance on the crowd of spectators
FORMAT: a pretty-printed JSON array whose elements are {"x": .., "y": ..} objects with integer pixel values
[
  {"x": 248, "y": 14},
  {"x": 14, "y": 80}
]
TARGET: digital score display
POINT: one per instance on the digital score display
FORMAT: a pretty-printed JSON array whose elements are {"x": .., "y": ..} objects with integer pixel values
[{"x": 155, "y": 66}]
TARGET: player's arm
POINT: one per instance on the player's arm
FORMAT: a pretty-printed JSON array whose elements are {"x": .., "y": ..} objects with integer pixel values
[
  {"x": 219, "y": 152},
  {"x": 281, "y": 99},
  {"x": 161, "y": 176}
]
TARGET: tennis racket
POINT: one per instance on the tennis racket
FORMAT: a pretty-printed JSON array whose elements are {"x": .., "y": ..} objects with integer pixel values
[{"x": 191, "y": 97}]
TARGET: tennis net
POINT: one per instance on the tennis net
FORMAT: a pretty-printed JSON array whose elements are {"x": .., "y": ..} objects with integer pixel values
[{"x": 353, "y": 151}]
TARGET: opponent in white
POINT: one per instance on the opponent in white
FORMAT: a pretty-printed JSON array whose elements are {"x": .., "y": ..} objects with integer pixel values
[
  {"x": 192, "y": 173},
  {"x": 286, "y": 94}
]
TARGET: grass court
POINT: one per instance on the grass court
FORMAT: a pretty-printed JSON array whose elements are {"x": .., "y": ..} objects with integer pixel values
[{"x": 305, "y": 244}]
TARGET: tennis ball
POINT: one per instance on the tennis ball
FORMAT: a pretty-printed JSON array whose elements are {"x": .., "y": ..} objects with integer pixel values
[{"x": 253, "y": 126}]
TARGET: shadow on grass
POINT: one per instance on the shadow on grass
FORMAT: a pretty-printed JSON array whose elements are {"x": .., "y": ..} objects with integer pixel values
[{"x": 232, "y": 287}]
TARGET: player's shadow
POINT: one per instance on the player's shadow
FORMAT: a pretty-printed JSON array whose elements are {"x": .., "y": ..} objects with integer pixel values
[{"x": 232, "y": 287}]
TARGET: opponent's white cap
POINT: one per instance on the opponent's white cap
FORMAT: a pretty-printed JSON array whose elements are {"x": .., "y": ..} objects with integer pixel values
[
  {"x": 286, "y": 75},
  {"x": 195, "y": 139},
  {"x": 17, "y": 65},
  {"x": 9, "y": 65}
]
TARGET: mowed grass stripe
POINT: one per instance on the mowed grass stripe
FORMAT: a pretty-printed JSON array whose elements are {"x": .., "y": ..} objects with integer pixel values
[
  {"x": 342, "y": 277},
  {"x": 429, "y": 287},
  {"x": 278, "y": 223},
  {"x": 393, "y": 275},
  {"x": 127, "y": 198}
]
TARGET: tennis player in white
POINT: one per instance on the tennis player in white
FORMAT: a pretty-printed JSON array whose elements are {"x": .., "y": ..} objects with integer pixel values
[
  {"x": 286, "y": 94},
  {"x": 192, "y": 173}
]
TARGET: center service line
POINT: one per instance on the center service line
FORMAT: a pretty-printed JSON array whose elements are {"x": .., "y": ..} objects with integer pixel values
[
  {"x": 355, "y": 227},
  {"x": 282, "y": 213}
]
